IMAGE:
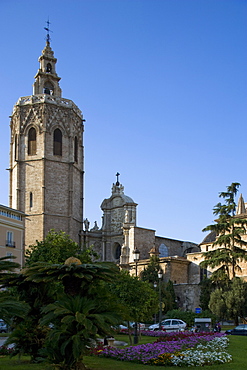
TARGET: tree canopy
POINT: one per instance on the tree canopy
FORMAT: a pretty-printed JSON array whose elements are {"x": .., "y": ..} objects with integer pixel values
[
  {"x": 150, "y": 275},
  {"x": 230, "y": 303},
  {"x": 136, "y": 296},
  {"x": 56, "y": 248},
  {"x": 229, "y": 247}
]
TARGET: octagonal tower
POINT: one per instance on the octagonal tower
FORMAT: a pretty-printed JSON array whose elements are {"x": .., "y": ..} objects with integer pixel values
[{"x": 46, "y": 156}]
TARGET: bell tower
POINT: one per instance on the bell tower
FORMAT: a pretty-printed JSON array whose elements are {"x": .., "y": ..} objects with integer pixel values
[{"x": 47, "y": 156}]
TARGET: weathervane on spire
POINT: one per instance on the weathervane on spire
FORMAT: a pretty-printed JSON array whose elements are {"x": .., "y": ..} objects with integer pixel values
[
  {"x": 48, "y": 38},
  {"x": 117, "y": 183}
]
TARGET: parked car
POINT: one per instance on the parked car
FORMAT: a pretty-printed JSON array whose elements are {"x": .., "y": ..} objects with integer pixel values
[
  {"x": 238, "y": 330},
  {"x": 170, "y": 325},
  {"x": 140, "y": 326},
  {"x": 124, "y": 328},
  {"x": 3, "y": 327}
]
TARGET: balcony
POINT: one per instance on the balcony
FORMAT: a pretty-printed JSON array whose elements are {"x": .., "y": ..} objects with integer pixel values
[{"x": 10, "y": 244}]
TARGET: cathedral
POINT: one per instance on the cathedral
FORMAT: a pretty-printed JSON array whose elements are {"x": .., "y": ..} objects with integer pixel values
[
  {"x": 46, "y": 177},
  {"x": 46, "y": 191},
  {"x": 47, "y": 181}
]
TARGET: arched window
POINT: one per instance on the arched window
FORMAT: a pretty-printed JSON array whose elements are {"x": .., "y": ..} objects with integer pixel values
[
  {"x": 57, "y": 142},
  {"x": 31, "y": 150},
  {"x": 117, "y": 251},
  {"x": 48, "y": 88},
  {"x": 49, "y": 68},
  {"x": 163, "y": 250},
  {"x": 76, "y": 150}
]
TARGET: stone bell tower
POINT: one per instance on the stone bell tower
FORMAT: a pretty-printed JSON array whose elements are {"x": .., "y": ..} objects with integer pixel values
[{"x": 46, "y": 156}]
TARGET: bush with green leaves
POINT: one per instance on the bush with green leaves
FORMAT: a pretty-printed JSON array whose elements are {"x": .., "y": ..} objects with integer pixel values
[
  {"x": 189, "y": 316},
  {"x": 56, "y": 248},
  {"x": 84, "y": 310}
]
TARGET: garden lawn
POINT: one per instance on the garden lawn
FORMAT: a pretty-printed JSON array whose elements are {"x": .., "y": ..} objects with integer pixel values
[
  {"x": 237, "y": 348},
  {"x": 24, "y": 364}
]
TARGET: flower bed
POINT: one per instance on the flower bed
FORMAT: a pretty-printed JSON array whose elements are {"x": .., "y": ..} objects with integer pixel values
[
  {"x": 187, "y": 350},
  {"x": 175, "y": 335},
  {"x": 6, "y": 351}
]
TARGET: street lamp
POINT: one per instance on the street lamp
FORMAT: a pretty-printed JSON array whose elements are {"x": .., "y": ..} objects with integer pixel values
[
  {"x": 160, "y": 275},
  {"x": 155, "y": 286},
  {"x": 136, "y": 253}
]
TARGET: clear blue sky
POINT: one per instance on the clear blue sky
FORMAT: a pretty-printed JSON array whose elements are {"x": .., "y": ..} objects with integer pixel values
[{"x": 162, "y": 85}]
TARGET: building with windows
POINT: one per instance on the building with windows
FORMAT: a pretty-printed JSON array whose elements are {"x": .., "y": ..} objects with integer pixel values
[
  {"x": 46, "y": 157},
  {"x": 46, "y": 184},
  {"x": 118, "y": 236},
  {"x": 12, "y": 234}
]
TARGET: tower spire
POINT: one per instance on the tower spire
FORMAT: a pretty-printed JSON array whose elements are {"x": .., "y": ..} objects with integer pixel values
[
  {"x": 46, "y": 79},
  {"x": 117, "y": 175},
  {"x": 48, "y": 30}
]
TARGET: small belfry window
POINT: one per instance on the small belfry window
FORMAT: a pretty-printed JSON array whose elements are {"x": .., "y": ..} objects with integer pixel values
[
  {"x": 31, "y": 150},
  {"x": 49, "y": 68},
  {"x": 57, "y": 142},
  {"x": 48, "y": 88},
  {"x": 76, "y": 150}
]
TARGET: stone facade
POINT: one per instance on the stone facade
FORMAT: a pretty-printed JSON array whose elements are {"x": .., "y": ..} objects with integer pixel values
[
  {"x": 12, "y": 234},
  {"x": 46, "y": 157},
  {"x": 119, "y": 236},
  {"x": 46, "y": 184}
]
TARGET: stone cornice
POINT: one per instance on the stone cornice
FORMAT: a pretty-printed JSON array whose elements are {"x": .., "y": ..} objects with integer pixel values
[{"x": 45, "y": 98}]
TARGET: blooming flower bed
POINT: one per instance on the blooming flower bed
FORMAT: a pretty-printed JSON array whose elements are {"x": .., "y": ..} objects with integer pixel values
[
  {"x": 189, "y": 349},
  {"x": 6, "y": 351}
]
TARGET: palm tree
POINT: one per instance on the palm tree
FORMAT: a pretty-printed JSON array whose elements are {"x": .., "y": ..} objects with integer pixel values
[
  {"x": 84, "y": 310},
  {"x": 77, "y": 278},
  {"x": 9, "y": 306},
  {"x": 77, "y": 321}
]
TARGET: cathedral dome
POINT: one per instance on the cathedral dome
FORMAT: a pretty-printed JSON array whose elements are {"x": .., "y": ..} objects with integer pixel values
[
  {"x": 126, "y": 199},
  {"x": 210, "y": 238},
  {"x": 118, "y": 198}
]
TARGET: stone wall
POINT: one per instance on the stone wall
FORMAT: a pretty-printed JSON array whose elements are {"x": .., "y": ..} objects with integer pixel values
[
  {"x": 188, "y": 296},
  {"x": 143, "y": 239},
  {"x": 54, "y": 182}
]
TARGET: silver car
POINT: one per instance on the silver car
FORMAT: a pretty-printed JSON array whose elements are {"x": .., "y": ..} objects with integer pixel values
[
  {"x": 170, "y": 325},
  {"x": 3, "y": 327}
]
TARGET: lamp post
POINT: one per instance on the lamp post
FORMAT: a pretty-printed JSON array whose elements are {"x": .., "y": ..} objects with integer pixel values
[
  {"x": 155, "y": 286},
  {"x": 136, "y": 253},
  {"x": 160, "y": 275}
]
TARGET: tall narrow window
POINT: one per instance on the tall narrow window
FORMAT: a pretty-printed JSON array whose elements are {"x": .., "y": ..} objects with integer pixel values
[
  {"x": 57, "y": 142},
  {"x": 117, "y": 251},
  {"x": 76, "y": 150},
  {"x": 16, "y": 147},
  {"x": 30, "y": 199},
  {"x": 9, "y": 240},
  {"x": 32, "y": 141},
  {"x": 9, "y": 237}
]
